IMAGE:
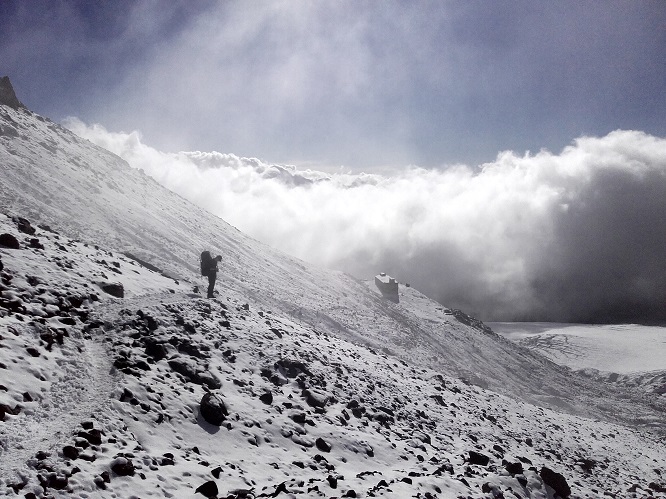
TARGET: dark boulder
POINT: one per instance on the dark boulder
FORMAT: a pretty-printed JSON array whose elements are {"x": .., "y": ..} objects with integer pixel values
[
  {"x": 155, "y": 349},
  {"x": 213, "y": 409},
  {"x": 93, "y": 436},
  {"x": 9, "y": 241},
  {"x": 323, "y": 445},
  {"x": 291, "y": 368},
  {"x": 514, "y": 468},
  {"x": 5, "y": 409},
  {"x": 113, "y": 288},
  {"x": 555, "y": 481},
  {"x": 34, "y": 243},
  {"x": 70, "y": 452},
  {"x": 123, "y": 467},
  {"x": 478, "y": 458},
  {"x": 266, "y": 398},
  {"x": 24, "y": 226},
  {"x": 208, "y": 489}
]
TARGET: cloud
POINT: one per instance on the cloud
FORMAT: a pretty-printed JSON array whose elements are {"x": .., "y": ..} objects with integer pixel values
[{"x": 574, "y": 236}]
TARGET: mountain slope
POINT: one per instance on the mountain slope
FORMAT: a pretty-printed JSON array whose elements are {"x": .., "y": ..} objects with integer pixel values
[
  {"x": 107, "y": 397},
  {"x": 54, "y": 177},
  {"x": 343, "y": 366}
]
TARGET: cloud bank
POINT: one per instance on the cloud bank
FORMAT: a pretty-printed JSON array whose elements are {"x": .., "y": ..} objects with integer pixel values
[{"x": 578, "y": 236}]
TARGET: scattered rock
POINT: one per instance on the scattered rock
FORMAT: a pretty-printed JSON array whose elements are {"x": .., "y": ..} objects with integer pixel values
[
  {"x": 514, "y": 468},
  {"x": 5, "y": 409},
  {"x": 323, "y": 445},
  {"x": 9, "y": 241},
  {"x": 70, "y": 452},
  {"x": 24, "y": 226},
  {"x": 155, "y": 349},
  {"x": 123, "y": 467},
  {"x": 208, "y": 489},
  {"x": 267, "y": 398},
  {"x": 191, "y": 371},
  {"x": 113, "y": 288},
  {"x": 94, "y": 437},
  {"x": 315, "y": 398},
  {"x": 213, "y": 409},
  {"x": 478, "y": 458},
  {"x": 555, "y": 481}
]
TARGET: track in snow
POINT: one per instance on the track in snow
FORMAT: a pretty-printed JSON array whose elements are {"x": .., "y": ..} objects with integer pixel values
[{"x": 80, "y": 392}]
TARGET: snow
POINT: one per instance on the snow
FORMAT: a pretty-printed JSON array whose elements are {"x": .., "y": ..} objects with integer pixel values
[
  {"x": 331, "y": 390},
  {"x": 620, "y": 348}
]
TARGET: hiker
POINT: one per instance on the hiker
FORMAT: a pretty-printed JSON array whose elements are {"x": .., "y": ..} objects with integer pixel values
[{"x": 209, "y": 269}]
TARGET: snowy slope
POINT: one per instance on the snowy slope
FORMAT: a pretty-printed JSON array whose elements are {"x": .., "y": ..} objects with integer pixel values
[
  {"x": 382, "y": 383},
  {"x": 51, "y": 176},
  {"x": 107, "y": 394},
  {"x": 630, "y": 355}
]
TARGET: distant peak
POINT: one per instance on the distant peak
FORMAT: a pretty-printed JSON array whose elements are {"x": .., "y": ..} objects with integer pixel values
[{"x": 7, "y": 95}]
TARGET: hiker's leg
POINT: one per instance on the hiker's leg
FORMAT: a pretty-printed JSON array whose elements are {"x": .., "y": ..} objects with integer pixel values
[{"x": 211, "y": 283}]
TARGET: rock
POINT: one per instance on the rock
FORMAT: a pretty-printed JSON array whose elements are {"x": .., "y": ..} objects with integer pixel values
[
  {"x": 57, "y": 482},
  {"x": 9, "y": 241},
  {"x": 555, "y": 481},
  {"x": 123, "y": 467},
  {"x": 191, "y": 371},
  {"x": 657, "y": 487},
  {"x": 315, "y": 398},
  {"x": 32, "y": 351},
  {"x": 514, "y": 468},
  {"x": 92, "y": 436},
  {"x": 7, "y": 95},
  {"x": 291, "y": 368},
  {"x": 5, "y": 409},
  {"x": 113, "y": 288},
  {"x": 155, "y": 349},
  {"x": 267, "y": 398},
  {"x": 208, "y": 489},
  {"x": 34, "y": 243},
  {"x": 323, "y": 445},
  {"x": 24, "y": 226},
  {"x": 478, "y": 458},
  {"x": 70, "y": 452},
  {"x": 213, "y": 409}
]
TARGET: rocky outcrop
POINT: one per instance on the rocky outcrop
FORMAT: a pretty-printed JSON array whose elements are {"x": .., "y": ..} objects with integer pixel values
[{"x": 7, "y": 95}]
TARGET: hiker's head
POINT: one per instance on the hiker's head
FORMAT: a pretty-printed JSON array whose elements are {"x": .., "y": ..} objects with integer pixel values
[{"x": 218, "y": 258}]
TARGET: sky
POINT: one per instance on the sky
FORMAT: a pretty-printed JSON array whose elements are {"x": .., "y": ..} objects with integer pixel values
[
  {"x": 506, "y": 158},
  {"x": 357, "y": 85}
]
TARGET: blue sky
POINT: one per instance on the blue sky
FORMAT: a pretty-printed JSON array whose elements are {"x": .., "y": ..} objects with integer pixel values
[{"x": 367, "y": 86}]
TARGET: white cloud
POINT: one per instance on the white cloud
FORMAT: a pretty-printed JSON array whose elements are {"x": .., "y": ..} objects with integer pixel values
[{"x": 578, "y": 235}]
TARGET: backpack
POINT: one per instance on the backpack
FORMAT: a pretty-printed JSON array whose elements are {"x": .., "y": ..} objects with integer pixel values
[{"x": 206, "y": 262}]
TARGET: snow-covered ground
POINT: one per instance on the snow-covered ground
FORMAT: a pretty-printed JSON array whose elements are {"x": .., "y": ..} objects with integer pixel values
[
  {"x": 295, "y": 382},
  {"x": 622, "y": 348},
  {"x": 107, "y": 395},
  {"x": 628, "y": 355}
]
